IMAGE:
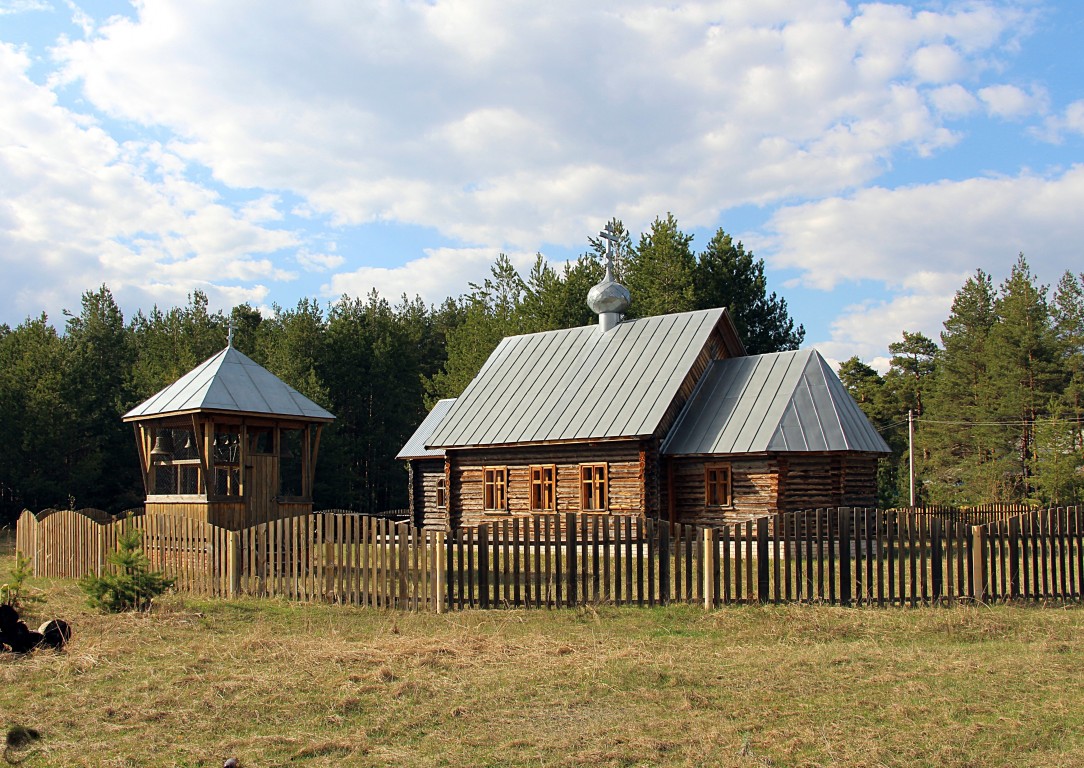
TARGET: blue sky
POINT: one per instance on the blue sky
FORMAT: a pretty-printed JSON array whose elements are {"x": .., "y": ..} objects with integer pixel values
[{"x": 873, "y": 154}]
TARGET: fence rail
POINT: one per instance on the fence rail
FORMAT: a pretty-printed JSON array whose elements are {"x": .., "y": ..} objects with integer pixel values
[{"x": 844, "y": 556}]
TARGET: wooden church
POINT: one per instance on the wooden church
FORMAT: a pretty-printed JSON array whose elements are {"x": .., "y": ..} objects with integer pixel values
[
  {"x": 228, "y": 443},
  {"x": 664, "y": 416}
]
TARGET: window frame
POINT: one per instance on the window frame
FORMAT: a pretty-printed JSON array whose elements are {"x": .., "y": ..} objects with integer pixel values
[
  {"x": 495, "y": 489},
  {"x": 543, "y": 489},
  {"x": 723, "y": 479},
  {"x": 594, "y": 487},
  {"x": 442, "y": 492}
]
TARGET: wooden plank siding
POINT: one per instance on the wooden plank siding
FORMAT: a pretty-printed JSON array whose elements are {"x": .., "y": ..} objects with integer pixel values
[{"x": 233, "y": 514}]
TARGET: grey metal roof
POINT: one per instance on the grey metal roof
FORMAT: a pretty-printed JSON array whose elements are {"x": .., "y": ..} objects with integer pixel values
[
  {"x": 786, "y": 401},
  {"x": 579, "y": 383},
  {"x": 415, "y": 446},
  {"x": 230, "y": 381}
]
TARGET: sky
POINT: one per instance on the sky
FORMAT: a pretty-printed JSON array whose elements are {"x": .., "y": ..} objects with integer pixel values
[{"x": 874, "y": 155}]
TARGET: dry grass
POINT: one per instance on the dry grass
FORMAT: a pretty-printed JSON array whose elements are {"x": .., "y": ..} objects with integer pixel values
[{"x": 281, "y": 684}]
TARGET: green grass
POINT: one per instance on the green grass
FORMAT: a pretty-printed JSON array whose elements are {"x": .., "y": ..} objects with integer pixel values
[{"x": 282, "y": 684}]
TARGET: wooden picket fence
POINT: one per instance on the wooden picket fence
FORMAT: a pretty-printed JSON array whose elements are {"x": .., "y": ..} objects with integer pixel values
[
  {"x": 333, "y": 556},
  {"x": 841, "y": 556}
]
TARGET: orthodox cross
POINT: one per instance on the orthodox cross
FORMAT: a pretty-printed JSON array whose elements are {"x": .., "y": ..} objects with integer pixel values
[
  {"x": 229, "y": 337},
  {"x": 609, "y": 234}
]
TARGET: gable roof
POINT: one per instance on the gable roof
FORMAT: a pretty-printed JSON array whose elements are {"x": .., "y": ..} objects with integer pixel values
[
  {"x": 785, "y": 401},
  {"x": 230, "y": 382},
  {"x": 581, "y": 383},
  {"x": 415, "y": 446}
]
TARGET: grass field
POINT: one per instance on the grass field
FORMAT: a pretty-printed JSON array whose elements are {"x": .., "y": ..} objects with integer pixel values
[{"x": 284, "y": 684}]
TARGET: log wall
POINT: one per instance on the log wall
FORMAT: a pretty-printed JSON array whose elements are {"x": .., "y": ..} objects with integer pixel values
[
  {"x": 424, "y": 512},
  {"x": 827, "y": 480},
  {"x": 755, "y": 488},
  {"x": 624, "y": 476},
  {"x": 775, "y": 483}
]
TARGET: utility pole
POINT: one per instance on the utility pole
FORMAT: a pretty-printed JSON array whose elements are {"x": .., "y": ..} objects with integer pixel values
[{"x": 911, "y": 451}]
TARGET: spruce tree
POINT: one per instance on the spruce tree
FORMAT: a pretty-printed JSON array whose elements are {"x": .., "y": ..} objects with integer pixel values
[{"x": 131, "y": 585}]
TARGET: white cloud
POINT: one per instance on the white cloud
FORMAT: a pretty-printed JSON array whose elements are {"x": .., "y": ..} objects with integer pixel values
[
  {"x": 889, "y": 235},
  {"x": 937, "y": 63},
  {"x": 507, "y": 124},
  {"x": 866, "y": 329},
  {"x": 954, "y": 101},
  {"x": 920, "y": 243},
  {"x": 217, "y": 146},
  {"x": 11, "y": 7},
  {"x": 319, "y": 262},
  {"x": 80, "y": 208},
  {"x": 1070, "y": 121},
  {"x": 1011, "y": 102},
  {"x": 440, "y": 273}
]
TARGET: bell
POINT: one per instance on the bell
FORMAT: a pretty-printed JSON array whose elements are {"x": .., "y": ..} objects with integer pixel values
[
  {"x": 190, "y": 444},
  {"x": 163, "y": 445}
]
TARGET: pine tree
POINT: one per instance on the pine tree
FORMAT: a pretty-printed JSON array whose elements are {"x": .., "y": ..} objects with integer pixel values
[
  {"x": 728, "y": 276},
  {"x": 877, "y": 401},
  {"x": 1068, "y": 318},
  {"x": 660, "y": 271},
  {"x": 957, "y": 447},
  {"x": 911, "y": 368},
  {"x": 1024, "y": 375},
  {"x": 98, "y": 458}
]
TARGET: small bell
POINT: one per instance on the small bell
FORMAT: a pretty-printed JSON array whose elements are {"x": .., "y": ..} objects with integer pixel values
[{"x": 163, "y": 446}]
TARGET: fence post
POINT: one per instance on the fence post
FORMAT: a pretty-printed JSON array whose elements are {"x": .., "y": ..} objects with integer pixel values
[
  {"x": 763, "y": 585},
  {"x": 937, "y": 559},
  {"x": 978, "y": 562},
  {"x": 708, "y": 574},
  {"x": 233, "y": 564},
  {"x": 436, "y": 554},
  {"x": 483, "y": 565},
  {"x": 1014, "y": 557},
  {"x": 664, "y": 563},
  {"x": 844, "y": 537},
  {"x": 570, "y": 556}
]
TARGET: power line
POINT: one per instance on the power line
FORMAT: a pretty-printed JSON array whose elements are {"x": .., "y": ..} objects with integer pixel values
[{"x": 997, "y": 423}]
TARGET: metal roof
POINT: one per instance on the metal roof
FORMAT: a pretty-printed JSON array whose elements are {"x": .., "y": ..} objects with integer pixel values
[
  {"x": 785, "y": 401},
  {"x": 415, "y": 446},
  {"x": 579, "y": 383},
  {"x": 230, "y": 382}
]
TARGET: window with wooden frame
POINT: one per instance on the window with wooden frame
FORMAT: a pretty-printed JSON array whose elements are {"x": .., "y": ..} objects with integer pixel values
[
  {"x": 544, "y": 488},
  {"x": 442, "y": 493},
  {"x": 718, "y": 491},
  {"x": 495, "y": 494},
  {"x": 593, "y": 496}
]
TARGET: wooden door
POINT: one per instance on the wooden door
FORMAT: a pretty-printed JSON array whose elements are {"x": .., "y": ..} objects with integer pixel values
[{"x": 263, "y": 488}]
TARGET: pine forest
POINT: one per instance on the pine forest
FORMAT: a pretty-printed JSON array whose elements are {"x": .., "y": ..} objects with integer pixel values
[{"x": 997, "y": 405}]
